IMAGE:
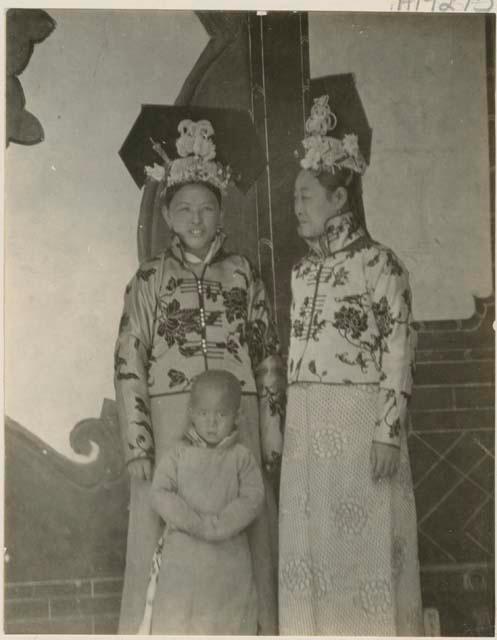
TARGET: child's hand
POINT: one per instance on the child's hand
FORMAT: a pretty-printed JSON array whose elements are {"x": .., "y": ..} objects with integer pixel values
[
  {"x": 384, "y": 460},
  {"x": 141, "y": 469}
]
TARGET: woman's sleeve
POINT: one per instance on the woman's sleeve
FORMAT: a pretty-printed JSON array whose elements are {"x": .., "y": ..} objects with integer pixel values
[
  {"x": 392, "y": 308},
  {"x": 131, "y": 362},
  {"x": 267, "y": 365},
  {"x": 166, "y": 501},
  {"x": 244, "y": 509}
]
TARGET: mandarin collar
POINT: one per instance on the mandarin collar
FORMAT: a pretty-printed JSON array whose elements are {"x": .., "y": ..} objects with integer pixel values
[
  {"x": 340, "y": 231},
  {"x": 197, "y": 441},
  {"x": 179, "y": 251}
]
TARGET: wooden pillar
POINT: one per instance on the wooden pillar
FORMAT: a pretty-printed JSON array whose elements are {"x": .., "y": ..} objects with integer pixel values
[{"x": 279, "y": 76}]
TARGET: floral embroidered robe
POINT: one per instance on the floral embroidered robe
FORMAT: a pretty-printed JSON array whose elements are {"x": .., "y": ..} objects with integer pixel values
[
  {"x": 351, "y": 321},
  {"x": 174, "y": 326},
  {"x": 348, "y": 546}
]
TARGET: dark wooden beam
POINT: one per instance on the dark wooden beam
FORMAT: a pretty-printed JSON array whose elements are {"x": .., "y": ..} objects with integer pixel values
[{"x": 279, "y": 63}]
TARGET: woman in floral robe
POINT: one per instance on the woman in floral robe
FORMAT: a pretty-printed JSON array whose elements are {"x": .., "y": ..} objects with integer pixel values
[
  {"x": 192, "y": 308},
  {"x": 348, "y": 541}
]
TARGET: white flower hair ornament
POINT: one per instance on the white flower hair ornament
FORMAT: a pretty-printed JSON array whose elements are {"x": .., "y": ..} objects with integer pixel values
[
  {"x": 196, "y": 162},
  {"x": 323, "y": 152}
]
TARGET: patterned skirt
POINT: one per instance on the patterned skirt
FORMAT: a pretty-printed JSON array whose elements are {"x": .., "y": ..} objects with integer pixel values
[{"x": 348, "y": 546}]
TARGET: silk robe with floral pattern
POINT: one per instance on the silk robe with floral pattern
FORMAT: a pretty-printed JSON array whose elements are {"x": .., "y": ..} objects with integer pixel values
[
  {"x": 175, "y": 325},
  {"x": 348, "y": 560},
  {"x": 351, "y": 320}
]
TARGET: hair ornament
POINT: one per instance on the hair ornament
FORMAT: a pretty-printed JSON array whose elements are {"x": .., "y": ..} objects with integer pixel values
[
  {"x": 196, "y": 161},
  {"x": 324, "y": 152}
]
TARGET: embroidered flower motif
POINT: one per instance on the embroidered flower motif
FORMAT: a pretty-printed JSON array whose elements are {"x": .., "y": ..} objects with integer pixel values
[
  {"x": 393, "y": 265},
  {"x": 176, "y": 323},
  {"x": 176, "y": 378},
  {"x": 297, "y": 328},
  {"x": 145, "y": 274},
  {"x": 375, "y": 596},
  {"x": 276, "y": 400},
  {"x": 212, "y": 291},
  {"x": 327, "y": 443},
  {"x": 123, "y": 322},
  {"x": 323, "y": 580},
  {"x": 383, "y": 316},
  {"x": 172, "y": 284},
  {"x": 302, "y": 269},
  {"x": 119, "y": 363},
  {"x": 350, "y": 518},
  {"x": 262, "y": 341},
  {"x": 235, "y": 302},
  {"x": 296, "y": 575},
  {"x": 233, "y": 347},
  {"x": 351, "y": 321},
  {"x": 316, "y": 326}
]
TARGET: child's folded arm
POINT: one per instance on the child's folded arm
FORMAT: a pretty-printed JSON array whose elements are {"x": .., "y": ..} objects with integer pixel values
[
  {"x": 243, "y": 510},
  {"x": 176, "y": 512},
  {"x": 166, "y": 501}
]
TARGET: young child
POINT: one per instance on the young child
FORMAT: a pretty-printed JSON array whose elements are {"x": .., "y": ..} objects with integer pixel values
[{"x": 208, "y": 490}]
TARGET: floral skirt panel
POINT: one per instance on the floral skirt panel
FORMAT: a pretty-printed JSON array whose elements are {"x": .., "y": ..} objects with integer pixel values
[{"x": 348, "y": 546}]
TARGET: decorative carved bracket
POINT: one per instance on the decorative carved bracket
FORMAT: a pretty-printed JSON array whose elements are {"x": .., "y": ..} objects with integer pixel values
[{"x": 75, "y": 512}]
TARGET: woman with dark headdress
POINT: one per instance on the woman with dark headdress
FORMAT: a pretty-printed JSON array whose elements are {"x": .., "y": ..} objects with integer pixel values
[
  {"x": 194, "y": 307},
  {"x": 348, "y": 542}
]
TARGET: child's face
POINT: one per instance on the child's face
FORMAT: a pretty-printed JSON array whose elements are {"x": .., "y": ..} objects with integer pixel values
[{"x": 213, "y": 413}]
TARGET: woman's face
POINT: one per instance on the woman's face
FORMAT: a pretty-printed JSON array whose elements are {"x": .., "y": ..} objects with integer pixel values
[
  {"x": 313, "y": 205},
  {"x": 194, "y": 214}
]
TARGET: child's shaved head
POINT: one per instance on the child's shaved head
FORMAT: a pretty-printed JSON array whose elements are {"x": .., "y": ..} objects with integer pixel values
[{"x": 220, "y": 380}]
